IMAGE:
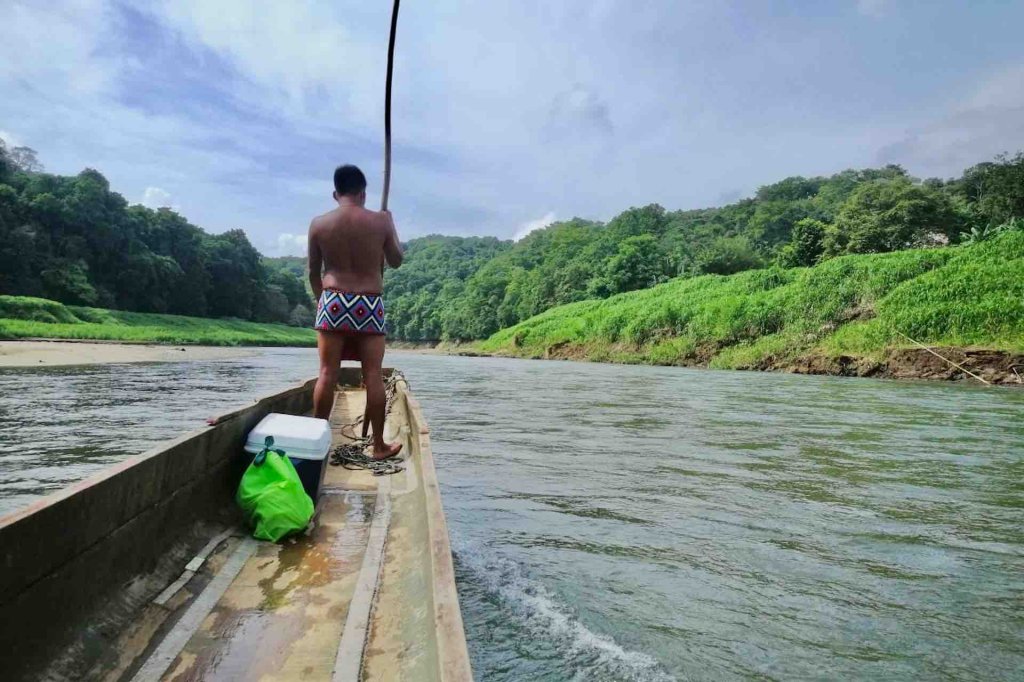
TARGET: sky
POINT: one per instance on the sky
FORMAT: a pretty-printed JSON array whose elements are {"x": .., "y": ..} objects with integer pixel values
[{"x": 507, "y": 114}]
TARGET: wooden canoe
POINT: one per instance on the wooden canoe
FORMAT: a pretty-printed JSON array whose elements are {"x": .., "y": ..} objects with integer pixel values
[{"x": 145, "y": 572}]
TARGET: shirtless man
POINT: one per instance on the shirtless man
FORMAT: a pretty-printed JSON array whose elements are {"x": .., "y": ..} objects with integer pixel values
[{"x": 349, "y": 246}]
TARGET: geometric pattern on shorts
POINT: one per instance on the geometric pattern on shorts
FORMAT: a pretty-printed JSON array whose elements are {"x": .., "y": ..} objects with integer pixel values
[{"x": 356, "y": 313}]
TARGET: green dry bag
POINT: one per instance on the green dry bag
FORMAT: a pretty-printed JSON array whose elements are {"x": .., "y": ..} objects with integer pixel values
[{"x": 272, "y": 497}]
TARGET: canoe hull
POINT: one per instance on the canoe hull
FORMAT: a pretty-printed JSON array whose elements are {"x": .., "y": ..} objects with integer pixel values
[{"x": 78, "y": 567}]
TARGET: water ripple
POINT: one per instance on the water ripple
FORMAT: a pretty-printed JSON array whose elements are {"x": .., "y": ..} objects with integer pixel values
[{"x": 641, "y": 523}]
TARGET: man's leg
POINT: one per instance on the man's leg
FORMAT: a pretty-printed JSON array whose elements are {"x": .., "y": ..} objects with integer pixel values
[
  {"x": 330, "y": 345},
  {"x": 371, "y": 354}
]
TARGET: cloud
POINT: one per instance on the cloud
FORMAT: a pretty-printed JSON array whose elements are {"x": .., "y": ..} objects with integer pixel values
[
  {"x": 536, "y": 224},
  {"x": 579, "y": 110},
  {"x": 154, "y": 197},
  {"x": 289, "y": 244},
  {"x": 875, "y": 9},
  {"x": 304, "y": 56},
  {"x": 976, "y": 126},
  {"x": 10, "y": 139},
  {"x": 502, "y": 109}
]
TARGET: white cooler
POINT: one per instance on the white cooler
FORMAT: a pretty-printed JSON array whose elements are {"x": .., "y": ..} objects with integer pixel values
[{"x": 305, "y": 440}]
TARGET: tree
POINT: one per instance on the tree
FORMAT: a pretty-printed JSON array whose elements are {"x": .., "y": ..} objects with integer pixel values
[
  {"x": 290, "y": 286},
  {"x": 7, "y": 167},
  {"x": 300, "y": 316},
  {"x": 773, "y": 221},
  {"x": 728, "y": 255},
  {"x": 650, "y": 220},
  {"x": 806, "y": 244},
  {"x": 19, "y": 261},
  {"x": 637, "y": 264},
  {"x": 236, "y": 275},
  {"x": 68, "y": 281},
  {"x": 791, "y": 189},
  {"x": 888, "y": 215},
  {"x": 272, "y": 305},
  {"x": 996, "y": 188},
  {"x": 25, "y": 159}
]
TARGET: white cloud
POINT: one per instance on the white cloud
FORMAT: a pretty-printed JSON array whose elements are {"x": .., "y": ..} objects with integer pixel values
[
  {"x": 154, "y": 197},
  {"x": 531, "y": 225},
  {"x": 974, "y": 127},
  {"x": 303, "y": 57},
  {"x": 289, "y": 244},
  {"x": 10, "y": 139},
  {"x": 57, "y": 46},
  {"x": 873, "y": 8},
  {"x": 502, "y": 109}
]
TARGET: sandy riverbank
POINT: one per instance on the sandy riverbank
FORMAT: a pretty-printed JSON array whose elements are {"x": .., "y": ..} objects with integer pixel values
[{"x": 55, "y": 353}]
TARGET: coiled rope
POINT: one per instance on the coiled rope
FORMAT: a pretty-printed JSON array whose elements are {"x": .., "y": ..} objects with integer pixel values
[{"x": 352, "y": 456}]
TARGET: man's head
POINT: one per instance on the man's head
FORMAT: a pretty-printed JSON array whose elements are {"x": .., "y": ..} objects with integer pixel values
[{"x": 350, "y": 182}]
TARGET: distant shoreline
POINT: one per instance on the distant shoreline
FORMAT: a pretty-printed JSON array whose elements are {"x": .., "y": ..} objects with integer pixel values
[{"x": 63, "y": 353}]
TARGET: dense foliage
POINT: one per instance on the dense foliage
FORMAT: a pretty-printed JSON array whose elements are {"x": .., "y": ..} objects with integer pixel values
[
  {"x": 856, "y": 305},
  {"x": 73, "y": 240},
  {"x": 26, "y": 317},
  {"x": 467, "y": 289},
  {"x": 422, "y": 299}
]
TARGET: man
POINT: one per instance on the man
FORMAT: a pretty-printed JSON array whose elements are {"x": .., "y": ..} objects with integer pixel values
[{"x": 350, "y": 245}]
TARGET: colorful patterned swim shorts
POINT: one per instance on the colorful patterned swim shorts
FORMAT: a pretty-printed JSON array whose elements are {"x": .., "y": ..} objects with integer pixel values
[{"x": 353, "y": 313}]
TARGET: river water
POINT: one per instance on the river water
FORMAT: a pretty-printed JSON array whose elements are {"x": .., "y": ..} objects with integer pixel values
[{"x": 641, "y": 523}]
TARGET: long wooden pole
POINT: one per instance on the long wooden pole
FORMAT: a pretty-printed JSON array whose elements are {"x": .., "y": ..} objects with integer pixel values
[
  {"x": 387, "y": 151},
  {"x": 387, "y": 110}
]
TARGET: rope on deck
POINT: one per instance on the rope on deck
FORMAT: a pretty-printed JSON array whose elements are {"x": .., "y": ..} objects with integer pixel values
[{"x": 353, "y": 455}]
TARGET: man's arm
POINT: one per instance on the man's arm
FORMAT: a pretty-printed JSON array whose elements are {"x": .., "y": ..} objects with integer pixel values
[
  {"x": 316, "y": 265},
  {"x": 392, "y": 247}
]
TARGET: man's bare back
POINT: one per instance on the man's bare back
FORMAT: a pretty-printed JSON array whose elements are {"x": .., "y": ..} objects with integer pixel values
[
  {"x": 351, "y": 244},
  {"x": 347, "y": 251}
]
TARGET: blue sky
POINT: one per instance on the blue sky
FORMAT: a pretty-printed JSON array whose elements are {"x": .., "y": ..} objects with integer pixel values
[{"x": 508, "y": 114}]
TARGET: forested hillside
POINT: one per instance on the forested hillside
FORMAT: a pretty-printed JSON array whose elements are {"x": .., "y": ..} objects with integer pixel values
[
  {"x": 796, "y": 222},
  {"x": 73, "y": 240},
  {"x": 853, "y": 314}
]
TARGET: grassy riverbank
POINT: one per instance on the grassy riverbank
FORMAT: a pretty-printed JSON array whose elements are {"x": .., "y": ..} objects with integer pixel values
[
  {"x": 24, "y": 317},
  {"x": 848, "y": 313}
]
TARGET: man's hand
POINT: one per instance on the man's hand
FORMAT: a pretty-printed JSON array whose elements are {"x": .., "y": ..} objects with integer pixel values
[{"x": 392, "y": 246}]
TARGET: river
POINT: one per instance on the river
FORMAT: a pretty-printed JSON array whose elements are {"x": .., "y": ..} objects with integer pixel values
[{"x": 643, "y": 523}]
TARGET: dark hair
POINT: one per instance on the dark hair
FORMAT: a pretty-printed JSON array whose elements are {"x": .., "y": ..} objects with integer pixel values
[{"x": 348, "y": 180}]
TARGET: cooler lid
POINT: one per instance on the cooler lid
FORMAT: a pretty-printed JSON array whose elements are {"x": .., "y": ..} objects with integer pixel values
[{"x": 301, "y": 437}]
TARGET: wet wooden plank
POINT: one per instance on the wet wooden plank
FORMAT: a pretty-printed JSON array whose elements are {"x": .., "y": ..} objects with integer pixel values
[{"x": 282, "y": 616}]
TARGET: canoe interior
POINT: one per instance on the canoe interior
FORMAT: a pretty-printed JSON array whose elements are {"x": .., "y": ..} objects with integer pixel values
[{"x": 106, "y": 547}]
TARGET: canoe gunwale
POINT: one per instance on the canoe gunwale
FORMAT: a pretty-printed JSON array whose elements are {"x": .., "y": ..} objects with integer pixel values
[
  {"x": 453, "y": 653},
  {"x": 80, "y": 546}
]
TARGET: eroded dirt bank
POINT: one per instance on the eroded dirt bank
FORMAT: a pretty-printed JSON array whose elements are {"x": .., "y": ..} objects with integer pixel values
[{"x": 994, "y": 366}]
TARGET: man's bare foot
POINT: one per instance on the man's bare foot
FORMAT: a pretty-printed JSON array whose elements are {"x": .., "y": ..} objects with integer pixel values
[{"x": 389, "y": 451}]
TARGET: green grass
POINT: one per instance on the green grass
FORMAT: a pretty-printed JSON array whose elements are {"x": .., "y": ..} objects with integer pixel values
[
  {"x": 854, "y": 305},
  {"x": 25, "y": 317}
]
